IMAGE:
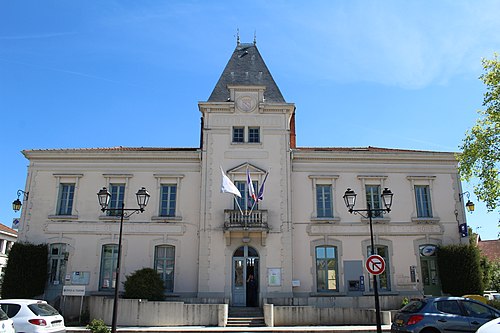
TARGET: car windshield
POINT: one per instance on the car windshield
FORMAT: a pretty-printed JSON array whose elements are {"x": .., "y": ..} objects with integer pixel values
[
  {"x": 42, "y": 309},
  {"x": 413, "y": 307},
  {"x": 496, "y": 296}
]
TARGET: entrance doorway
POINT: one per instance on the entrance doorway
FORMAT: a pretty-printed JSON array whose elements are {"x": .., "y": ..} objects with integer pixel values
[
  {"x": 428, "y": 264},
  {"x": 245, "y": 282}
]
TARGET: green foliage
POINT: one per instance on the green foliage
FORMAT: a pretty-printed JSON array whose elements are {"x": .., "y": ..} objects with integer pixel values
[
  {"x": 144, "y": 283},
  {"x": 404, "y": 301},
  {"x": 481, "y": 147},
  {"x": 463, "y": 261},
  {"x": 494, "y": 283},
  {"x": 495, "y": 304},
  {"x": 98, "y": 326},
  {"x": 26, "y": 272}
]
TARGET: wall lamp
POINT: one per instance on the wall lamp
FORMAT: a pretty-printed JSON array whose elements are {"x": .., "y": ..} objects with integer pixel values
[
  {"x": 469, "y": 205},
  {"x": 16, "y": 205}
]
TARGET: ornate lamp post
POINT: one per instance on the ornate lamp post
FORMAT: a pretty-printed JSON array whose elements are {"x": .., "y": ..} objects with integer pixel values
[
  {"x": 16, "y": 205},
  {"x": 350, "y": 201},
  {"x": 142, "y": 200}
]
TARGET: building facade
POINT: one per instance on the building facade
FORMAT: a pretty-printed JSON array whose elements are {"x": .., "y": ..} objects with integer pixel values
[
  {"x": 8, "y": 237},
  {"x": 299, "y": 241}
]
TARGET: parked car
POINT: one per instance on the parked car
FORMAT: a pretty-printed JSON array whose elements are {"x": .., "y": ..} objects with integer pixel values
[
  {"x": 6, "y": 324},
  {"x": 493, "y": 326},
  {"x": 492, "y": 295},
  {"x": 33, "y": 316},
  {"x": 443, "y": 314}
]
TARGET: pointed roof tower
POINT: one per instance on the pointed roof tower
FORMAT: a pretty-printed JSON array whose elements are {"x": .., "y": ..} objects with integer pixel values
[{"x": 246, "y": 67}]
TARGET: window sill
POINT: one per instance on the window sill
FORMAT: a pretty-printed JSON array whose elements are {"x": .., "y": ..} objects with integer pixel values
[
  {"x": 63, "y": 217},
  {"x": 377, "y": 220},
  {"x": 166, "y": 218},
  {"x": 325, "y": 219},
  {"x": 425, "y": 220},
  {"x": 111, "y": 218},
  {"x": 327, "y": 293}
]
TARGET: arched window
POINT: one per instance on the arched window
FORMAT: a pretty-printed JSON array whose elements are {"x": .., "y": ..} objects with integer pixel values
[
  {"x": 57, "y": 263},
  {"x": 384, "y": 279},
  {"x": 326, "y": 268},
  {"x": 164, "y": 265},
  {"x": 109, "y": 261}
]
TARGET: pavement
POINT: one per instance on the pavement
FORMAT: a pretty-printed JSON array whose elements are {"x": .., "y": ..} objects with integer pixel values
[{"x": 164, "y": 329}]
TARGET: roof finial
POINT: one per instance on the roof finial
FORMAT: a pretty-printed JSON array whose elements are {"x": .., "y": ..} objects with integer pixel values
[
  {"x": 255, "y": 37},
  {"x": 238, "y": 36}
]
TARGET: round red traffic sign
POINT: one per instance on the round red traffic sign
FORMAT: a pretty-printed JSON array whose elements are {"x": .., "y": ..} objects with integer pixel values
[{"x": 375, "y": 264}]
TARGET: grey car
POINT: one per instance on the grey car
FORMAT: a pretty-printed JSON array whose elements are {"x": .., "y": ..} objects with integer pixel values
[{"x": 442, "y": 314}]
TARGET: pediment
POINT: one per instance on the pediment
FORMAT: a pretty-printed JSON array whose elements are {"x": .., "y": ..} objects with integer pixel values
[{"x": 242, "y": 169}]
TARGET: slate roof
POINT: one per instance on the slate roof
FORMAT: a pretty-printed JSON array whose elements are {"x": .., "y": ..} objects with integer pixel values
[{"x": 246, "y": 67}]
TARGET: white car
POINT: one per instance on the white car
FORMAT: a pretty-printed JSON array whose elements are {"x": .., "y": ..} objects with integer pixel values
[
  {"x": 33, "y": 316},
  {"x": 493, "y": 326},
  {"x": 6, "y": 324},
  {"x": 494, "y": 296}
]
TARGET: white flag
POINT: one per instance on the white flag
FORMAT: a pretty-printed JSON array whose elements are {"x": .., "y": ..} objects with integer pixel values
[{"x": 228, "y": 186}]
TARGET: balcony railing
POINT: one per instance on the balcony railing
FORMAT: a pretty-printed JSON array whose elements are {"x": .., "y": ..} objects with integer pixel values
[{"x": 255, "y": 220}]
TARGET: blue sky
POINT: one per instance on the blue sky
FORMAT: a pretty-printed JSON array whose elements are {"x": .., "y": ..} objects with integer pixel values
[{"x": 395, "y": 74}]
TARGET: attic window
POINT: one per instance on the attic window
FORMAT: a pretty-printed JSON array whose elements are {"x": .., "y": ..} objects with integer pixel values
[{"x": 243, "y": 54}]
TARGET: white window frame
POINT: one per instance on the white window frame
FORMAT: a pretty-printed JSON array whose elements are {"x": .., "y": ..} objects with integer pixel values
[
  {"x": 168, "y": 179},
  {"x": 66, "y": 179},
  {"x": 116, "y": 179},
  {"x": 374, "y": 180},
  {"x": 324, "y": 180},
  {"x": 423, "y": 181}
]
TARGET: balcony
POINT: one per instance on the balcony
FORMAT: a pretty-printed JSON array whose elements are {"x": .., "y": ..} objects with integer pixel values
[
  {"x": 247, "y": 227},
  {"x": 249, "y": 221}
]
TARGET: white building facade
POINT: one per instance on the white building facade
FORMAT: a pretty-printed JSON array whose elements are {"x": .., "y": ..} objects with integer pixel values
[{"x": 300, "y": 242}]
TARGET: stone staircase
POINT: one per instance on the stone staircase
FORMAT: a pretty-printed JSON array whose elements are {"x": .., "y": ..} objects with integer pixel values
[{"x": 245, "y": 317}]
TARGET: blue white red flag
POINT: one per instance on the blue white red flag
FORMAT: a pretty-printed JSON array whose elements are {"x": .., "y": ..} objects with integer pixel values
[
  {"x": 261, "y": 190},
  {"x": 251, "y": 191}
]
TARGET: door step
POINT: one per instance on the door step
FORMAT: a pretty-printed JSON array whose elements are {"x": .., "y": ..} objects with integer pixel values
[{"x": 245, "y": 317}]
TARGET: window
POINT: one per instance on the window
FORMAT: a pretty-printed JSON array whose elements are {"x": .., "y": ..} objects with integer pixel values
[
  {"x": 245, "y": 202},
  {"x": 168, "y": 196},
  {"x": 451, "y": 307},
  {"x": 65, "y": 202},
  {"x": 384, "y": 279},
  {"x": 238, "y": 134},
  {"x": 164, "y": 265},
  {"x": 57, "y": 263},
  {"x": 373, "y": 198},
  {"x": 326, "y": 268},
  {"x": 254, "y": 134},
  {"x": 109, "y": 260},
  {"x": 117, "y": 192},
  {"x": 324, "y": 201},
  {"x": 423, "y": 201},
  {"x": 477, "y": 310}
]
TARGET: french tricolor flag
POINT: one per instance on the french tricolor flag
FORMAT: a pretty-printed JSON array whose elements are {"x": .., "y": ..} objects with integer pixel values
[{"x": 251, "y": 191}]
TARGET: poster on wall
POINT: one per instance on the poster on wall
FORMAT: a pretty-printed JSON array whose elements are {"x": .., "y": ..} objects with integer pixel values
[
  {"x": 274, "y": 277},
  {"x": 80, "y": 278}
]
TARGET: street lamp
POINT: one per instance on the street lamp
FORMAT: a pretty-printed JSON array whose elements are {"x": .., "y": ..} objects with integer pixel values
[
  {"x": 16, "y": 205},
  {"x": 469, "y": 205},
  {"x": 350, "y": 201},
  {"x": 142, "y": 200}
]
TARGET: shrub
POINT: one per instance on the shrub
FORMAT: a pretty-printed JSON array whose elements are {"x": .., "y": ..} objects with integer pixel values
[
  {"x": 26, "y": 271},
  {"x": 462, "y": 261},
  {"x": 144, "y": 283},
  {"x": 98, "y": 326},
  {"x": 495, "y": 304}
]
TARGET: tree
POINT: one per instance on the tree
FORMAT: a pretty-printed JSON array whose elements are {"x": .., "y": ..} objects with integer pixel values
[
  {"x": 26, "y": 271},
  {"x": 144, "y": 283},
  {"x": 464, "y": 260},
  {"x": 481, "y": 147}
]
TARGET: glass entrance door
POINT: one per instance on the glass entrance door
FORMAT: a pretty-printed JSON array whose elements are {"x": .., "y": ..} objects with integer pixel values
[{"x": 245, "y": 277}]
